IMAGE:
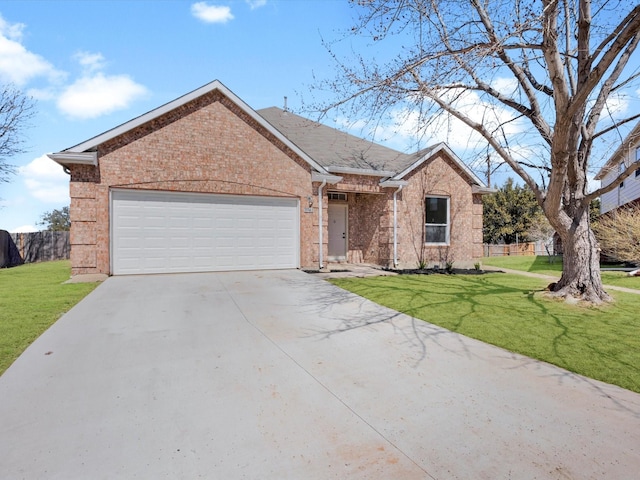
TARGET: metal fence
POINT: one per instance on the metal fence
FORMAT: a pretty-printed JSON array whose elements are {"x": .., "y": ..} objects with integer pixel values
[{"x": 42, "y": 246}]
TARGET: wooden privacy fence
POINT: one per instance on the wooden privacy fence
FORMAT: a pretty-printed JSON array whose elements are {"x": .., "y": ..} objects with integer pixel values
[
  {"x": 522, "y": 249},
  {"x": 42, "y": 246}
]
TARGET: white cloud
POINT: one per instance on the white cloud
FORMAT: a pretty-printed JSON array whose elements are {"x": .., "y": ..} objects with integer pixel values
[
  {"x": 505, "y": 85},
  {"x": 12, "y": 31},
  {"x": 42, "y": 93},
  {"x": 617, "y": 104},
  {"x": 211, "y": 13},
  {"x": 407, "y": 131},
  {"x": 91, "y": 95},
  {"x": 24, "y": 229},
  {"x": 99, "y": 94},
  {"x": 256, "y": 3},
  {"x": 94, "y": 93},
  {"x": 45, "y": 180},
  {"x": 17, "y": 64},
  {"x": 90, "y": 62}
]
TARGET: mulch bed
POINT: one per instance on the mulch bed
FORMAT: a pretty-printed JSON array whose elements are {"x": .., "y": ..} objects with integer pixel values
[{"x": 441, "y": 271}]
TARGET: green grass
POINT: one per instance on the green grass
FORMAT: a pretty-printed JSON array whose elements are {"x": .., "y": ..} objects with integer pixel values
[
  {"x": 540, "y": 264},
  {"x": 32, "y": 298},
  {"x": 508, "y": 311},
  {"x": 528, "y": 263},
  {"x": 620, "y": 279}
]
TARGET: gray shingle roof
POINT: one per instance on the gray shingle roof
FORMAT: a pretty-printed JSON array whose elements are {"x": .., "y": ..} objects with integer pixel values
[{"x": 333, "y": 148}]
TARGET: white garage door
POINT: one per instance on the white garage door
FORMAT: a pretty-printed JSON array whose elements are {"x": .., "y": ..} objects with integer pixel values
[{"x": 162, "y": 232}]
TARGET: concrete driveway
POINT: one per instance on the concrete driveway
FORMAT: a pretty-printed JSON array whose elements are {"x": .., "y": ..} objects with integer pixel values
[{"x": 280, "y": 375}]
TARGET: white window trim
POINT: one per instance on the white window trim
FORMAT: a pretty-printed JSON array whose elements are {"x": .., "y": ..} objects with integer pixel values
[{"x": 448, "y": 224}]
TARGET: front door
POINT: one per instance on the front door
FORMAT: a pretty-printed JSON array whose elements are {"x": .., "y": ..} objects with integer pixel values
[{"x": 337, "y": 232}]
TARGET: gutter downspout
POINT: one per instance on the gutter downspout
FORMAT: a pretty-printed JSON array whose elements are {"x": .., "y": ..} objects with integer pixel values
[
  {"x": 395, "y": 227},
  {"x": 320, "y": 206}
]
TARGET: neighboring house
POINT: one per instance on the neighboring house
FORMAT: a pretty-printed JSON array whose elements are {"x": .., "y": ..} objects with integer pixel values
[
  {"x": 623, "y": 159},
  {"x": 205, "y": 183}
]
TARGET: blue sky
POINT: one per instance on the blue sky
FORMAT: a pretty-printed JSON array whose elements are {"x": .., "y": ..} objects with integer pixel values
[{"x": 92, "y": 65}]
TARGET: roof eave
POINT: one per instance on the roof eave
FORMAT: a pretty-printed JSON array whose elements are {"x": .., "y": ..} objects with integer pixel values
[
  {"x": 482, "y": 190},
  {"x": 370, "y": 172},
  {"x": 393, "y": 183},
  {"x": 74, "y": 158},
  {"x": 324, "y": 177}
]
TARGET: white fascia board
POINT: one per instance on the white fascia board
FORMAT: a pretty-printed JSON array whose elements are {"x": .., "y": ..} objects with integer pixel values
[
  {"x": 394, "y": 183},
  {"x": 324, "y": 177},
  {"x": 443, "y": 147},
  {"x": 74, "y": 158},
  {"x": 361, "y": 171},
  {"x": 482, "y": 190},
  {"x": 92, "y": 143}
]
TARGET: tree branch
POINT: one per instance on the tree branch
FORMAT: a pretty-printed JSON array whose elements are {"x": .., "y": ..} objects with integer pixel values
[
  {"x": 615, "y": 126},
  {"x": 627, "y": 35},
  {"x": 631, "y": 168}
]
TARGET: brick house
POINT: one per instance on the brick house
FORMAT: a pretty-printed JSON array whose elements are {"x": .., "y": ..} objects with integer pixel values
[
  {"x": 205, "y": 183},
  {"x": 622, "y": 160}
]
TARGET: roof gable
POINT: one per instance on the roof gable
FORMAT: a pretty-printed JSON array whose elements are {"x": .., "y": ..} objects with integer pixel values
[
  {"x": 423, "y": 155},
  {"x": 342, "y": 152},
  {"x": 327, "y": 150},
  {"x": 84, "y": 153}
]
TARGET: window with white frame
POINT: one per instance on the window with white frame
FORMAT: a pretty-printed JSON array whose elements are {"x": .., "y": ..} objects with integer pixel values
[
  {"x": 437, "y": 219},
  {"x": 637, "y": 153}
]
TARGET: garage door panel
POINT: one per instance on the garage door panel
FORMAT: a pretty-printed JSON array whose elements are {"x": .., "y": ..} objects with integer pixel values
[{"x": 156, "y": 232}]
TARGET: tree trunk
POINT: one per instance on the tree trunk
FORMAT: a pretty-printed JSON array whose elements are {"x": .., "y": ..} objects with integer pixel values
[{"x": 581, "y": 259}]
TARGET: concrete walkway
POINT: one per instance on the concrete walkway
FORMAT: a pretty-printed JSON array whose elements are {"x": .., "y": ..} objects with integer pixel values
[
  {"x": 553, "y": 278},
  {"x": 349, "y": 270},
  {"x": 280, "y": 375}
]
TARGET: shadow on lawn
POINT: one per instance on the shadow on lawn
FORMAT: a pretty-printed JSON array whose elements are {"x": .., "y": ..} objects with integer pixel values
[
  {"x": 466, "y": 301},
  {"x": 346, "y": 312}
]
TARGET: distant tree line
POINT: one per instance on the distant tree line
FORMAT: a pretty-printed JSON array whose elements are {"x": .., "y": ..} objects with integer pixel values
[
  {"x": 512, "y": 215},
  {"x": 56, "y": 220}
]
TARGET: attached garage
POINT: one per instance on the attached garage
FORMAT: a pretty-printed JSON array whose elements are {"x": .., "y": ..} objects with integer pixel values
[
  {"x": 206, "y": 183},
  {"x": 169, "y": 232}
]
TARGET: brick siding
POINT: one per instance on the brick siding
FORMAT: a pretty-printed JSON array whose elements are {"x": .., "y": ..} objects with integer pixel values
[
  {"x": 442, "y": 177},
  {"x": 206, "y": 146},
  {"x": 210, "y": 145}
]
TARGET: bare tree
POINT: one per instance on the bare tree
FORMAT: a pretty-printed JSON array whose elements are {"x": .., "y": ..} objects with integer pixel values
[
  {"x": 15, "y": 112},
  {"x": 541, "y": 230},
  {"x": 619, "y": 234},
  {"x": 535, "y": 80}
]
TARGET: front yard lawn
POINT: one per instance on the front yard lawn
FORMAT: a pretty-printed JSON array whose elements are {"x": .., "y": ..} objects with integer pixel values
[
  {"x": 508, "y": 311},
  {"x": 527, "y": 263},
  {"x": 32, "y": 298},
  {"x": 540, "y": 264}
]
